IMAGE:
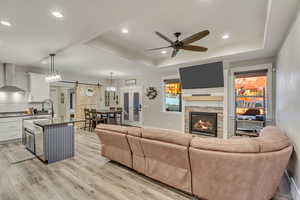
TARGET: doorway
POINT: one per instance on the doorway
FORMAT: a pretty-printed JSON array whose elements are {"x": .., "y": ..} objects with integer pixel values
[
  {"x": 63, "y": 97},
  {"x": 131, "y": 101}
]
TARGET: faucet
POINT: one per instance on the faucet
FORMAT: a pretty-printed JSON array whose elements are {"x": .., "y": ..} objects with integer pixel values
[{"x": 50, "y": 102}]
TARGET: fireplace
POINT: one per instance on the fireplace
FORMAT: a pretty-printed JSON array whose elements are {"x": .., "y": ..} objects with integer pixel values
[{"x": 204, "y": 123}]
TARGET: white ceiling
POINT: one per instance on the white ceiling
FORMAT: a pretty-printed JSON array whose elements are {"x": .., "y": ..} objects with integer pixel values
[{"x": 88, "y": 40}]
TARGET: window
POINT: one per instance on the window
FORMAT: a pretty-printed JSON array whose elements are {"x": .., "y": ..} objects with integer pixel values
[{"x": 172, "y": 100}]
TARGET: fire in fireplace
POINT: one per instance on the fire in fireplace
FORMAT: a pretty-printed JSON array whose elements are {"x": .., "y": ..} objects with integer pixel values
[{"x": 203, "y": 123}]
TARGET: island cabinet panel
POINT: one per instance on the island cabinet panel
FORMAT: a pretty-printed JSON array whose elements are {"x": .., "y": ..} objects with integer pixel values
[{"x": 59, "y": 142}]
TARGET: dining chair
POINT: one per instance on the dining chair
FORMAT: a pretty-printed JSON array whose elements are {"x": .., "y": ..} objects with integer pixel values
[
  {"x": 119, "y": 115},
  {"x": 95, "y": 119},
  {"x": 87, "y": 119},
  {"x": 112, "y": 116}
]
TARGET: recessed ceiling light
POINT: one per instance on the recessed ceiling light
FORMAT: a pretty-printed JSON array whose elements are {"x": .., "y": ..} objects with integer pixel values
[
  {"x": 5, "y": 23},
  {"x": 124, "y": 30},
  {"x": 57, "y": 14},
  {"x": 164, "y": 52},
  {"x": 44, "y": 62},
  {"x": 225, "y": 37}
]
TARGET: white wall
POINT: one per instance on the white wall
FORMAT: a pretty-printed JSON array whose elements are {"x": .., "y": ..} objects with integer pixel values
[
  {"x": 288, "y": 93},
  {"x": 153, "y": 114}
]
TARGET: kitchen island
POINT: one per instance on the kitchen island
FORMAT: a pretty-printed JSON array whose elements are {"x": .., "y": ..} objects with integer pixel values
[{"x": 54, "y": 139}]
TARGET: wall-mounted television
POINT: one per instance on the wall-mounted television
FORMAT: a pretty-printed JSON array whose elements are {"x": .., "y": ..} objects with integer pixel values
[{"x": 202, "y": 76}]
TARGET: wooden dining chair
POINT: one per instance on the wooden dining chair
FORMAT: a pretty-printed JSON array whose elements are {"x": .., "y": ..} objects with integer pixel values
[
  {"x": 87, "y": 119},
  {"x": 96, "y": 119},
  {"x": 112, "y": 116},
  {"x": 119, "y": 115}
]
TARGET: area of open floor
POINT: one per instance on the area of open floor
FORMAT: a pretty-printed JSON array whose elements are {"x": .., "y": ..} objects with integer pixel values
[{"x": 86, "y": 176}]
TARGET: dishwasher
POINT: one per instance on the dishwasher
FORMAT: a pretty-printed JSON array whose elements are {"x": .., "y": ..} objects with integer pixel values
[{"x": 29, "y": 140}]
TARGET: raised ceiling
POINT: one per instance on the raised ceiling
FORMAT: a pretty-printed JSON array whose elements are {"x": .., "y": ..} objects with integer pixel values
[{"x": 88, "y": 40}]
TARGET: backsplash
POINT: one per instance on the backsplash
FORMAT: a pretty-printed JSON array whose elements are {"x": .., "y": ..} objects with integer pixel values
[
  {"x": 16, "y": 102},
  {"x": 13, "y": 102}
]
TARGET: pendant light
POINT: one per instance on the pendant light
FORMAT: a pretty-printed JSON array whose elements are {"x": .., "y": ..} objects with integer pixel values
[
  {"x": 53, "y": 76},
  {"x": 111, "y": 88}
]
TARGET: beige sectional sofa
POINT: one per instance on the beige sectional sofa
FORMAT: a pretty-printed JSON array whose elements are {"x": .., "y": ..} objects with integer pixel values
[{"x": 209, "y": 168}]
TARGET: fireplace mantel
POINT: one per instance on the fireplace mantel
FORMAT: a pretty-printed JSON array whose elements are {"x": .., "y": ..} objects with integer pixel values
[{"x": 203, "y": 98}]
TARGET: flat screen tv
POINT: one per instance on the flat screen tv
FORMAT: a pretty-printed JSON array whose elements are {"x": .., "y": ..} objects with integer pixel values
[{"x": 202, "y": 76}]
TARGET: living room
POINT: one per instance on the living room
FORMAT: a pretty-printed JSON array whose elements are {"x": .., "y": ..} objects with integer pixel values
[{"x": 166, "y": 100}]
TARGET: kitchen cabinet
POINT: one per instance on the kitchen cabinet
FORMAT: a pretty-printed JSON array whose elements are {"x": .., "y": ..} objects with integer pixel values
[
  {"x": 39, "y": 88},
  {"x": 10, "y": 129}
]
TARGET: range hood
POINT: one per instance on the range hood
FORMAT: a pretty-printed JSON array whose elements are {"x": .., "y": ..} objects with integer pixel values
[{"x": 9, "y": 74}]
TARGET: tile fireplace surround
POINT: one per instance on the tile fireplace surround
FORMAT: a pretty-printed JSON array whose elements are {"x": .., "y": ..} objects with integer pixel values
[{"x": 207, "y": 109}]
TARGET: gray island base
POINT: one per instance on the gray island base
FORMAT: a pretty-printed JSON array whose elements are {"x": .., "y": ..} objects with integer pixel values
[{"x": 55, "y": 140}]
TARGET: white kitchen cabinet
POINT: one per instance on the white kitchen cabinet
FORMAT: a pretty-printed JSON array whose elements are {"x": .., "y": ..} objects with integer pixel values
[
  {"x": 39, "y": 88},
  {"x": 10, "y": 129}
]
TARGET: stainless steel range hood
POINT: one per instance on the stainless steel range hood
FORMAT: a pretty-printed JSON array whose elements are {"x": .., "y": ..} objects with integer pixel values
[{"x": 9, "y": 75}]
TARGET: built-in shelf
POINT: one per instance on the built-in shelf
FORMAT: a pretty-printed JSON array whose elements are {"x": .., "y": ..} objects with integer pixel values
[
  {"x": 250, "y": 107},
  {"x": 249, "y": 96},
  {"x": 203, "y": 98}
]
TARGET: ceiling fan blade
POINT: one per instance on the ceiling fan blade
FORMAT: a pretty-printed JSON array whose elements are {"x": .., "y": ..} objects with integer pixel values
[
  {"x": 195, "y": 37},
  {"x": 174, "y": 53},
  {"x": 194, "y": 48},
  {"x": 158, "y": 48},
  {"x": 164, "y": 37}
]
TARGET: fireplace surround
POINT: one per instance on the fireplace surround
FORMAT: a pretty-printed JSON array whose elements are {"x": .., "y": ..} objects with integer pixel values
[
  {"x": 204, "y": 123},
  {"x": 188, "y": 109}
]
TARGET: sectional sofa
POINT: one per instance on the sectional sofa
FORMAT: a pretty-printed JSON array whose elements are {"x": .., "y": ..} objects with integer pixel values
[{"x": 209, "y": 168}]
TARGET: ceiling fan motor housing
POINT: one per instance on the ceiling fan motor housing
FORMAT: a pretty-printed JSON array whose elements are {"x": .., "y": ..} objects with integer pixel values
[{"x": 177, "y": 34}]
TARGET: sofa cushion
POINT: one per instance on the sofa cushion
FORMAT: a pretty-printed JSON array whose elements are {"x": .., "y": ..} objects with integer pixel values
[
  {"x": 110, "y": 127},
  {"x": 115, "y": 146},
  {"x": 134, "y": 131},
  {"x": 138, "y": 157},
  {"x": 165, "y": 135},
  {"x": 272, "y": 139},
  {"x": 237, "y": 145},
  {"x": 167, "y": 163}
]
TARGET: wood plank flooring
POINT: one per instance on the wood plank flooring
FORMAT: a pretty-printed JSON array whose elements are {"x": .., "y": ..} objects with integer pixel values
[{"x": 87, "y": 176}]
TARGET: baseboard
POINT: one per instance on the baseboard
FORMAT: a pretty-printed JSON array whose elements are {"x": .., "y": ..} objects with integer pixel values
[{"x": 294, "y": 190}]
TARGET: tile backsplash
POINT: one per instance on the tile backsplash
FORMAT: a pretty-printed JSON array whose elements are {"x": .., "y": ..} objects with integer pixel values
[{"x": 13, "y": 102}]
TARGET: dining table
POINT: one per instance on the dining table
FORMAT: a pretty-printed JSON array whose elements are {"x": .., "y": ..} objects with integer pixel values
[{"x": 106, "y": 113}]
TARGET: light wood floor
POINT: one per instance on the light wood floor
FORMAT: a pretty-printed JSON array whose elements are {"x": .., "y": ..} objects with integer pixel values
[{"x": 86, "y": 176}]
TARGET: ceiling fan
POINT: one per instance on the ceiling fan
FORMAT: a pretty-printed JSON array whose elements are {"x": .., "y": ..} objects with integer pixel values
[{"x": 183, "y": 44}]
